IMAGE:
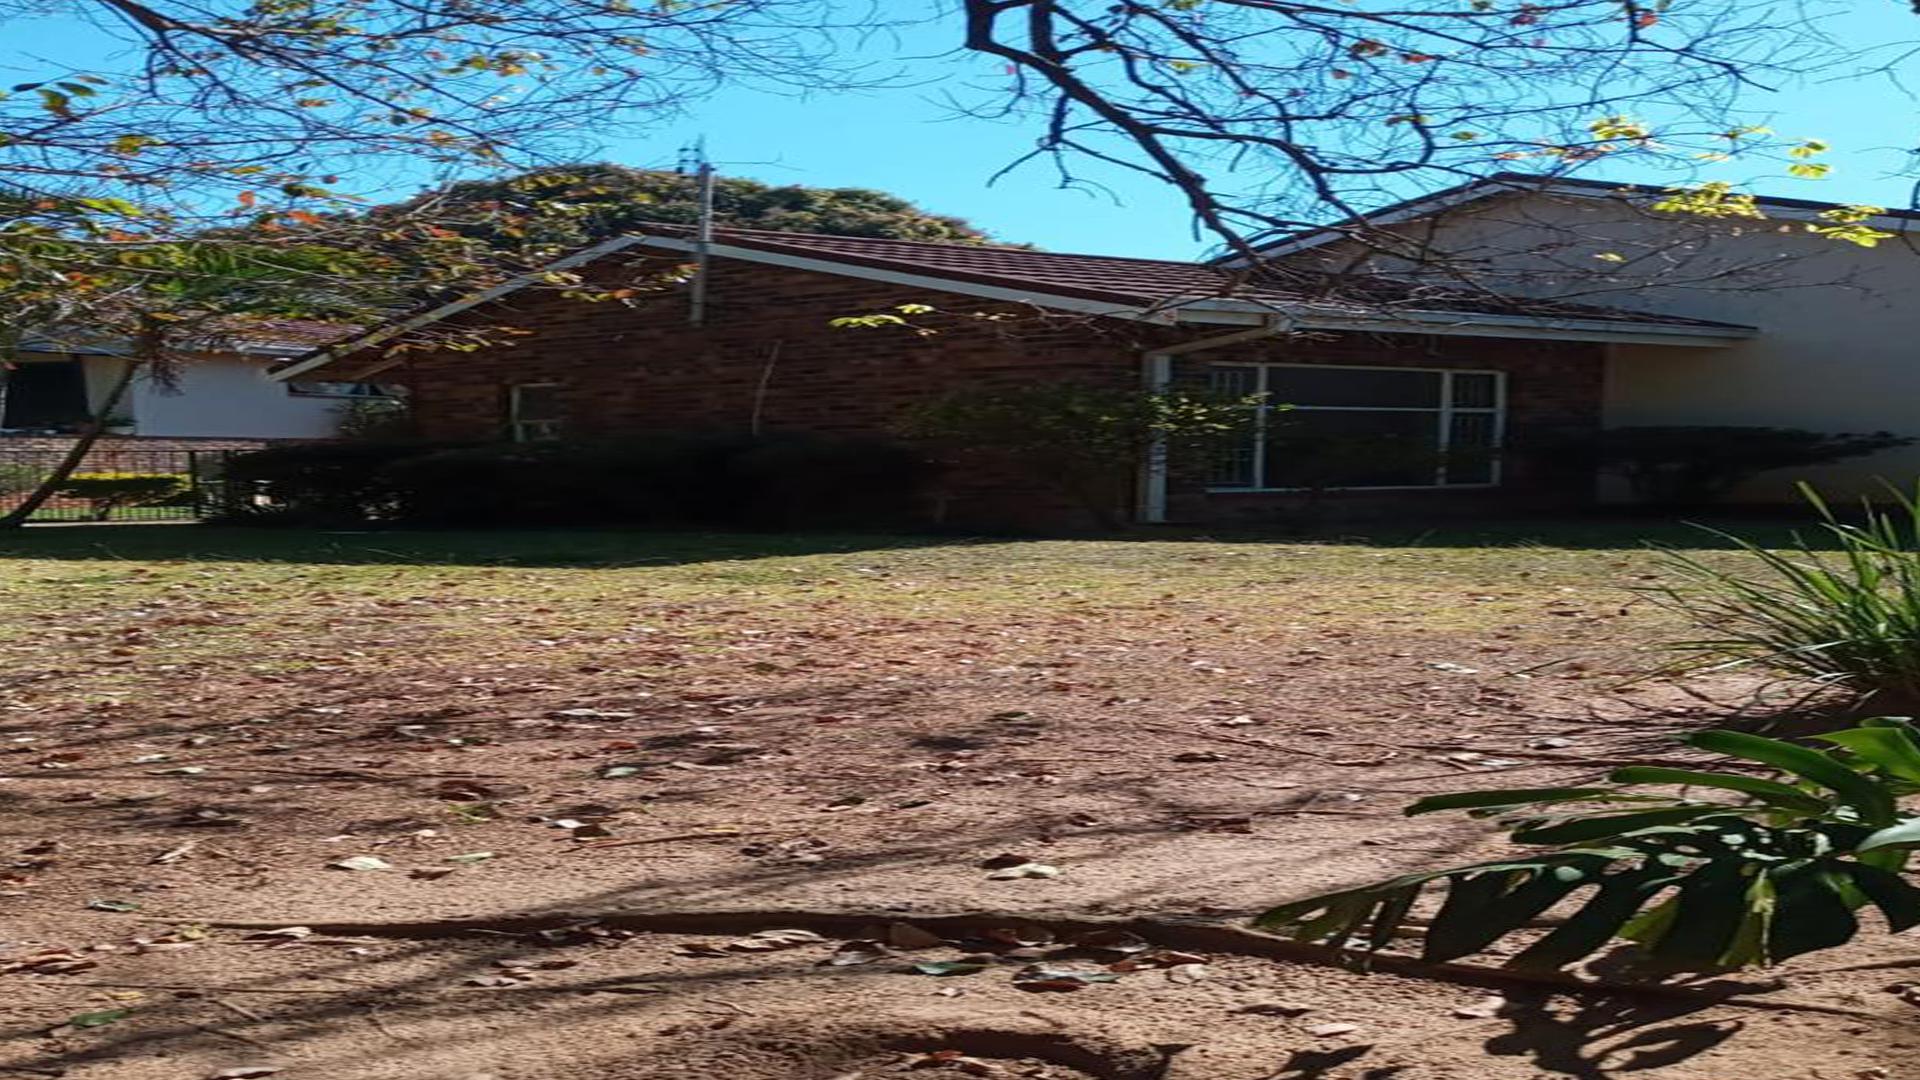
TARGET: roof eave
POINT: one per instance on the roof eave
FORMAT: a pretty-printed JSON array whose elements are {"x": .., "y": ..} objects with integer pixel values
[{"x": 1467, "y": 324}]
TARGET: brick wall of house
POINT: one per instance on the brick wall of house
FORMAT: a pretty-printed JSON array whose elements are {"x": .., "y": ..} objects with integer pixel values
[{"x": 637, "y": 366}]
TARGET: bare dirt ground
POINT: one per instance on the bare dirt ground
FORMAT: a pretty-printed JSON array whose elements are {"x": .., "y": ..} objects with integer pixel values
[{"x": 585, "y": 794}]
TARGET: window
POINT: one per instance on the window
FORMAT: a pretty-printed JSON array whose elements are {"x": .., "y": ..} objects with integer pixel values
[
  {"x": 309, "y": 388},
  {"x": 533, "y": 411},
  {"x": 1354, "y": 427},
  {"x": 44, "y": 395}
]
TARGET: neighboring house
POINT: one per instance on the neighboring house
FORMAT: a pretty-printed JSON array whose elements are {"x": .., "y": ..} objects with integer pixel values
[
  {"x": 224, "y": 393},
  {"x": 1451, "y": 375},
  {"x": 1835, "y": 345}
]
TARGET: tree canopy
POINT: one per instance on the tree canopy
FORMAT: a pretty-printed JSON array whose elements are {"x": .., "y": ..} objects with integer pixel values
[{"x": 572, "y": 204}]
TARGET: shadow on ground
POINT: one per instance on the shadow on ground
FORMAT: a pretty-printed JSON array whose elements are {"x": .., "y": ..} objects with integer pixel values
[{"x": 595, "y": 548}]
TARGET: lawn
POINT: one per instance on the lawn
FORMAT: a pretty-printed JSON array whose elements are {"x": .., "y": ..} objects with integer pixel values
[{"x": 799, "y": 729}]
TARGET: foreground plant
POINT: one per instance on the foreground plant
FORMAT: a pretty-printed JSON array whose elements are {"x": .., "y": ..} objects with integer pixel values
[
  {"x": 1698, "y": 884},
  {"x": 1840, "y": 610}
]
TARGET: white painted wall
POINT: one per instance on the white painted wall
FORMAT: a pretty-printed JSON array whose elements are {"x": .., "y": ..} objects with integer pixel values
[
  {"x": 1839, "y": 349},
  {"x": 226, "y": 397}
]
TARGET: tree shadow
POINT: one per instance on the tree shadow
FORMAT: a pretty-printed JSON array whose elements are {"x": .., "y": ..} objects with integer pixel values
[
  {"x": 1603, "y": 1037},
  {"x": 534, "y": 548}
]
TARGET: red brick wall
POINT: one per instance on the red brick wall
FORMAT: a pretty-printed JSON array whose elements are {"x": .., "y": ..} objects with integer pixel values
[{"x": 635, "y": 367}]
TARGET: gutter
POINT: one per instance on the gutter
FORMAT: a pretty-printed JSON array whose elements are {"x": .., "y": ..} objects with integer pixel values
[{"x": 1156, "y": 374}]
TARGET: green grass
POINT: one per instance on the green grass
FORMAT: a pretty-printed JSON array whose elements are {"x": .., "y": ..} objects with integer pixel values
[{"x": 270, "y": 594}]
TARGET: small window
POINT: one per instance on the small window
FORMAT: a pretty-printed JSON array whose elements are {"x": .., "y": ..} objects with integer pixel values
[
  {"x": 533, "y": 412},
  {"x": 309, "y": 388}
]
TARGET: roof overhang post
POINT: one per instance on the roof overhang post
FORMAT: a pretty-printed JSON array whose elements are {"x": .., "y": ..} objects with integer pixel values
[{"x": 1156, "y": 375}]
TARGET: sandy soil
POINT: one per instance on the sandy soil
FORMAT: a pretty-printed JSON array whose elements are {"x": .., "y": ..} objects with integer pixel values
[{"x": 1172, "y": 759}]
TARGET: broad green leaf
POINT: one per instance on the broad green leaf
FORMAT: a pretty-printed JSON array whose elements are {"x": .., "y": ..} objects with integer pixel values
[
  {"x": 1810, "y": 913},
  {"x": 1474, "y": 800},
  {"x": 1478, "y": 920},
  {"x": 1597, "y": 922},
  {"x": 1767, "y": 790},
  {"x": 1907, "y": 832},
  {"x": 1602, "y": 826},
  {"x": 1896, "y": 898},
  {"x": 1873, "y": 801},
  {"x": 1889, "y": 748}
]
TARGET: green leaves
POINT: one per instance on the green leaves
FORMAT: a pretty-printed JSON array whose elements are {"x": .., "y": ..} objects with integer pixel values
[
  {"x": 1695, "y": 885},
  {"x": 1873, "y": 801}
]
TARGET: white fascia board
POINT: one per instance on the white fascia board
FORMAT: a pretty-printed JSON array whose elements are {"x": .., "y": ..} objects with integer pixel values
[
  {"x": 1469, "y": 324},
  {"x": 393, "y": 330}
]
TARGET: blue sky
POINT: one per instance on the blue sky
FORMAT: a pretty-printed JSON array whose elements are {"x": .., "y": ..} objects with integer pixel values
[{"x": 909, "y": 140}]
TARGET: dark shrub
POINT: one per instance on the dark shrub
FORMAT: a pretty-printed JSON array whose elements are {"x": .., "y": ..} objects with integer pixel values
[
  {"x": 314, "y": 483},
  {"x": 1694, "y": 466},
  {"x": 795, "y": 481},
  {"x": 105, "y": 492},
  {"x": 781, "y": 481},
  {"x": 510, "y": 484}
]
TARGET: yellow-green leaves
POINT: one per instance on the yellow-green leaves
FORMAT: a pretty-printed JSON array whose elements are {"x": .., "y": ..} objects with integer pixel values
[{"x": 1713, "y": 199}]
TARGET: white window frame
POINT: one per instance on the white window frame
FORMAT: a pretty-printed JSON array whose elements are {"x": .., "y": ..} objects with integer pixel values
[
  {"x": 1443, "y": 420},
  {"x": 523, "y": 431}
]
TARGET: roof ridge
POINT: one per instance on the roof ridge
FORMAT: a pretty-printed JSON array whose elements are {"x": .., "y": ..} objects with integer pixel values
[{"x": 778, "y": 235}]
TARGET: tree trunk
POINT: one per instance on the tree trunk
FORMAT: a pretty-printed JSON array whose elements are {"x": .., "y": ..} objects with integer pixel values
[{"x": 146, "y": 347}]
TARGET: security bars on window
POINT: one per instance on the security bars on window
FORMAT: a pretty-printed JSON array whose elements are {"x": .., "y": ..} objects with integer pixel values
[{"x": 1324, "y": 426}]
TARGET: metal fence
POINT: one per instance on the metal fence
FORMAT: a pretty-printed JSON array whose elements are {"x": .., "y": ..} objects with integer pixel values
[{"x": 118, "y": 483}]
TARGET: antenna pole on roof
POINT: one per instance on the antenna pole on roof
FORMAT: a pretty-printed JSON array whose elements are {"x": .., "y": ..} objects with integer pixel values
[{"x": 703, "y": 234}]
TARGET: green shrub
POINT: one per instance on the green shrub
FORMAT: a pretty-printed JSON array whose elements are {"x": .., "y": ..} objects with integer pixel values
[
  {"x": 105, "y": 492},
  {"x": 1846, "y": 618},
  {"x": 1696, "y": 884},
  {"x": 1693, "y": 466}
]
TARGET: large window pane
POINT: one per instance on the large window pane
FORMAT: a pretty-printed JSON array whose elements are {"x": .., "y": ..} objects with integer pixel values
[
  {"x": 1470, "y": 448},
  {"x": 1307, "y": 448},
  {"x": 1354, "y": 388}
]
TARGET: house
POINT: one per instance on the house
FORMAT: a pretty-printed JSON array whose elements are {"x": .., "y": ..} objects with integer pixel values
[
  {"x": 1832, "y": 348},
  {"x": 751, "y": 344},
  {"x": 221, "y": 394}
]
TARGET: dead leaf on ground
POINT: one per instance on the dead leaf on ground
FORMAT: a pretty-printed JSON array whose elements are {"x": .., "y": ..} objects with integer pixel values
[
  {"x": 175, "y": 854},
  {"x": 244, "y": 1072},
  {"x": 774, "y": 940},
  {"x": 1024, "y": 870},
  {"x": 98, "y": 1018},
  {"x": 360, "y": 862},
  {"x": 1188, "y": 974},
  {"x": 857, "y": 952},
  {"x": 1327, "y": 1031},
  {"x": 50, "y": 962},
  {"x": 1044, "y": 978},
  {"x": 950, "y": 967},
  {"x": 954, "y": 1061},
  {"x": 284, "y": 936}
]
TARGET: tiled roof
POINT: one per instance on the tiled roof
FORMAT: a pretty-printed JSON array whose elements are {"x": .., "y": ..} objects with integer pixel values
[{"x": 1157, "y": 283}]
